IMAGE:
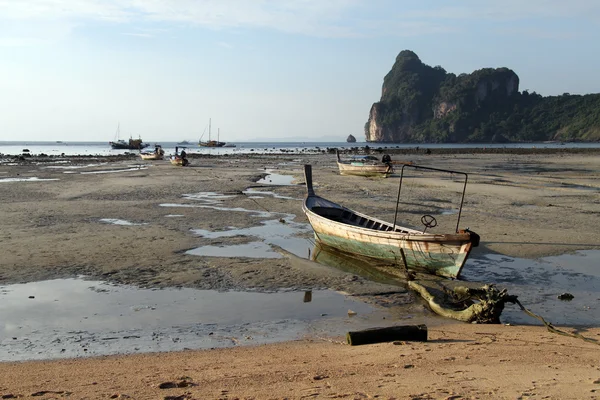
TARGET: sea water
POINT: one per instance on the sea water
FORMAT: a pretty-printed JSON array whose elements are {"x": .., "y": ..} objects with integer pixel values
[{"x": 104, "y": 149}]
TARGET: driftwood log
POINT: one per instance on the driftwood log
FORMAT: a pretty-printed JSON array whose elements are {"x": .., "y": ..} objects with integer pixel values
[
  {"x": 482, "y": 305},
  {"x": 413, "y": 333}
]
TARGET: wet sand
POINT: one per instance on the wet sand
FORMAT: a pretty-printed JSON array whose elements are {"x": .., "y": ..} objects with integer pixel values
[
  {"x": 459, "y": 362},
  {"x": 521, "y": 205},
  {"x": 132, "y": 222}
]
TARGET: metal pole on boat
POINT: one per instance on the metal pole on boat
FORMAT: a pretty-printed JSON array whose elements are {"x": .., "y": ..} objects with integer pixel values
[
  {"x": 461, "y": 202},
  {"x": 434, "y": 169},
  {"x": 398, "y": 198}
]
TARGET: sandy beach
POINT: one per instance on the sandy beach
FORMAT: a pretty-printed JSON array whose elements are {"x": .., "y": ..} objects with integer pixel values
[
  {"x": 131, "y": 222},
  {"x": 459, "y": 362}
]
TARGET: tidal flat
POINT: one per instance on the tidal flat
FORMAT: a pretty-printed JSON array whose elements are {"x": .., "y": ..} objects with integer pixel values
[
  {"x": 216, "y": 225},
  {"x": 120, "y": 256}
]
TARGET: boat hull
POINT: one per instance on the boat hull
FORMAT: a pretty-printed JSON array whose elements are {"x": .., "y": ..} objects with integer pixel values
[
  {"x": 151, "y": 156},
  {"x": 365, "y": 170},
  {"x": 443, "y": 255},
  {"x": 133, "y": 144},
  {"x": 178, "y": 161},
  {"x": 212, "y": 143}
]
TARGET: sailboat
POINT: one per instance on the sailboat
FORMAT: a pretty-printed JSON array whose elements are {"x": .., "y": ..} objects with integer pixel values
[
  {"x": 132, "y": 144},
  {"x": 211, "y": 143}
]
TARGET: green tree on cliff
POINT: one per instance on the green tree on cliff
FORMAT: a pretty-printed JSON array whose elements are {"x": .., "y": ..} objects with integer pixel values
[{"x": 424, "y": 104}]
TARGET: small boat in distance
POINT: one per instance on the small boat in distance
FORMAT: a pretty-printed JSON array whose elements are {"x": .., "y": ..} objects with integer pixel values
[
  {"x": 184, "y": 143},
  {"x": 365, "y": 166},
  {"x": 157, "y": 154},
  {"x": 358, "y": 234},
  {"x": 211, "y": 143},
  {"x": 179, "y": 159},
  {"x": 132, "y": 144}
]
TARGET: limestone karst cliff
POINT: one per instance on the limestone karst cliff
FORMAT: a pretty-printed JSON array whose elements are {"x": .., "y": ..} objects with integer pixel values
[{"x": 424, "y": 104}]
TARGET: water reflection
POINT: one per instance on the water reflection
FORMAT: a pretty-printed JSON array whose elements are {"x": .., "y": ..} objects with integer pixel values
[
  {"x": 75, "y": 317},
  {"x": 370, "y": 269},
  {"x": 276, "y": 179},
  {"x": 537, "y": 283}
]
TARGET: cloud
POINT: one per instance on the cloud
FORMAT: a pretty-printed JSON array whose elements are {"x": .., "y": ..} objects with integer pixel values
[
  {"x": 510, "y": 10},
  {"x": 300, "y": 16},
  {"x": 330, "y": 18},
  {"x": 320, "y": 18},
  {"x": 538, "y": 33}
]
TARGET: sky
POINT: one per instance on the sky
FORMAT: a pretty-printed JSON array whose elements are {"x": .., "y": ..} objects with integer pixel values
[{"x": 308, "y": 70}]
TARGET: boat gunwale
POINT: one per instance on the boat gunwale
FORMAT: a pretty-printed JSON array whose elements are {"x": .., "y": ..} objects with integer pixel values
[{"x": 411, "y": 235}]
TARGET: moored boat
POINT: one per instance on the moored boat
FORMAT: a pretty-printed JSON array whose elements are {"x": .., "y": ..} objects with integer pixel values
[
  {"x": 210, "y": 142},
  {"x": 158, "y": 154},
  {"x": 365, "y": 166},
  {"x": 355, "y": 233},
  {"x": 131, "y": 144},
  {"x": 179, "y": 159}
]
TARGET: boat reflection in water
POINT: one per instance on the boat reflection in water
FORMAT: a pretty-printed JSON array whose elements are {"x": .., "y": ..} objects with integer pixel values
[{"x": 373, "y": 270}]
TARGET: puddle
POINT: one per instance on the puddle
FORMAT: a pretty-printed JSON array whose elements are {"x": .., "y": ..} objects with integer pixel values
[
  {"x": 110, "y": 171},
  {"x": 31, "y": 179},
  {"x": 71, "y": 166},
  {"x": 271, "y": 232},
  {"x": 257, "y": 213},
  {"x": 537, "y": 283},
  {"x": 260, "y": 194},
  {"x": 74, "y": 318},
  {"x": 352, "y": 265},
  {"x": 449, "y": 212},
  {"x": 250, "y": 250},
  {"x": 276, "y": 179},
  {"x": 121, "y": 222},
  {"x": 174, "y": 215},
  {"x": 209, "y": 197},
  {"x": 212, "y": 200}
]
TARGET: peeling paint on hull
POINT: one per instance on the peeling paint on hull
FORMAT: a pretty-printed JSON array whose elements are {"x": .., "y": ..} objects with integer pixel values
[
  {"x": 440, "y": 257},
  {"x": 355, "y": 233}
]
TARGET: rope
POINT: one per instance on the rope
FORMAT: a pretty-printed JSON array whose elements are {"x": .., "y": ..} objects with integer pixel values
[{"x": 552, "y": 329}]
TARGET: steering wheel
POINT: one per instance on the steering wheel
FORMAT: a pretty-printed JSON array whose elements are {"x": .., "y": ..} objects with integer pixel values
[{"x": 429, "y": 221}]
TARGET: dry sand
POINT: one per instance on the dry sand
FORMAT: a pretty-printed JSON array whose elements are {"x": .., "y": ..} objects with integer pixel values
[
  {"x": 459, "y": 362},
  {"x": 522, "y": 205}
]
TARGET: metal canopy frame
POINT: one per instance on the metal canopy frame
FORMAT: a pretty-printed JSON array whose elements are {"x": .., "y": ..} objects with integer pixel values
[{"x": 432, "y": 169}]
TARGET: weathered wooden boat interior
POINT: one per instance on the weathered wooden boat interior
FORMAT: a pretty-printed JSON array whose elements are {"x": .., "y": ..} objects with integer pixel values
[{"x": 347, "y": 217}]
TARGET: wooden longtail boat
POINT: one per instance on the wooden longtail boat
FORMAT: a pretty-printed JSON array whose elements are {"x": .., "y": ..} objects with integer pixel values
[
  {"x": 150, "y": 156},
  {"x": 364, "y": 166},
  {"x": 178, "y": 161},
  {"x": 158, "y": 154},
  {"x": 359, "y": 234}
]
